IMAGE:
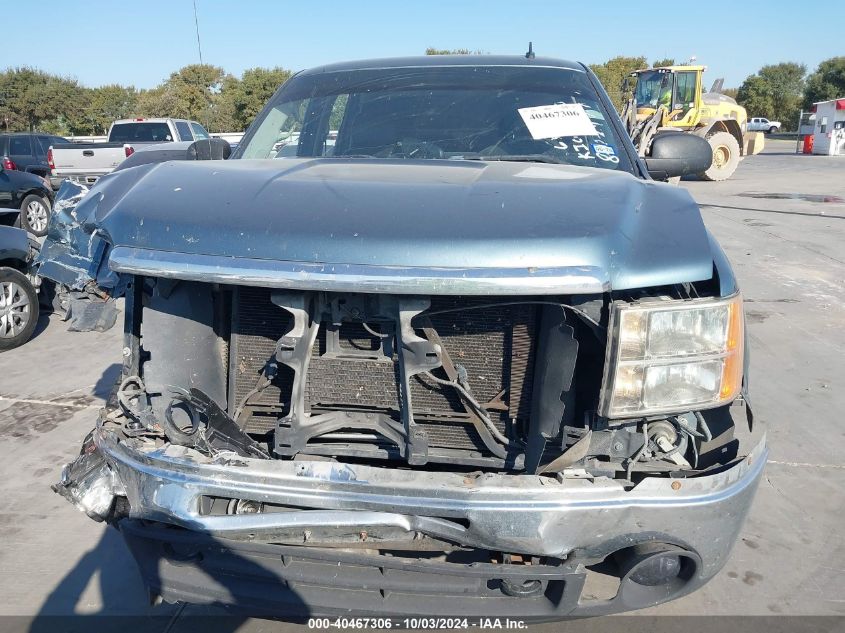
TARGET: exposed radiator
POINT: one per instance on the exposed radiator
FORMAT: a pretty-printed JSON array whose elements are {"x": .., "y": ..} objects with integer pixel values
[{"x": 493, "y": 344}]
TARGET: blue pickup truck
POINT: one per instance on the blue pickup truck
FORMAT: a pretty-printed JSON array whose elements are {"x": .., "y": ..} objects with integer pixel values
[{"x": 455, "y": 351}]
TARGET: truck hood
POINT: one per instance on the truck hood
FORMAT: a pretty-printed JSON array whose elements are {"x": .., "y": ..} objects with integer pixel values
[{"x": 446, "y": 214}]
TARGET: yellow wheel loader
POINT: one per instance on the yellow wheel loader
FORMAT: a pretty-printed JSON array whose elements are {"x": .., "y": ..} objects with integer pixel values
[{"x": 672, "y": 98}]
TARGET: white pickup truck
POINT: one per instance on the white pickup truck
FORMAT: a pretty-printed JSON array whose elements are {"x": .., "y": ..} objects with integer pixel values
[
  {"x": 84, "y": 163},
  {"x": 762, "y": 124}
]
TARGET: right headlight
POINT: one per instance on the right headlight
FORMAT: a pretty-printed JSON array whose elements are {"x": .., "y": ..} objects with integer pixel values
[{"x": 671, "y": 356}]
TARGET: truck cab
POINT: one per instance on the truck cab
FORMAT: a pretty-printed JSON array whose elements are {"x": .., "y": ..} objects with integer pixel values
[
  {"x": 85, "y": 163},
  {"x": 676, "y": 88},
  {"x": 762, "y": 124},
  {"x": 164, "y": 130},
  {"x": 455, "y": 352}
]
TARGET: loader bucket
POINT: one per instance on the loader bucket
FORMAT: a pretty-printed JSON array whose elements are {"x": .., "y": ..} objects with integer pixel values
[{"x": 753, "y": 143}]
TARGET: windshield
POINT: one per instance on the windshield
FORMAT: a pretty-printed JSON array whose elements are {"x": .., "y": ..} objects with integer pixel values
[
  {"x": 654, "y": 89},
  {"x": 452, "y": 112}
]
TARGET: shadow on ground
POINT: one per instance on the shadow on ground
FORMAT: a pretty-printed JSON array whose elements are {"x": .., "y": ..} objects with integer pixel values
[
  {"x": 107, "y": 382},
  {"x": 43, "y": 323}
]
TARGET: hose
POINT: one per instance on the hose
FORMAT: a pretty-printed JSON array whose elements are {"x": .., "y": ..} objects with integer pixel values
[
  {"x": 640, "y": 453},
  {"x": 682, "y": 424},
  {"x": 703, "y": 424},
  {"x": 373, "y": 332},
  {"x": 479, "y": 410},
  {"x": 267, "y": 376}
]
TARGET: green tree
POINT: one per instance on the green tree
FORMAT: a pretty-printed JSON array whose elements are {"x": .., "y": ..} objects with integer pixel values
[
  {"x": 755, "y": 95},
  {"x": 249, "y": 95},
  {"x": 192, "y": 92},
  {"x": 157, "y": 102},
  {"x": 223, "y": 117},
  {"x": 774, "y": 92},
  {"x": 659, "y": 63},
  {"x": 109, "y": 103},
  {"x": 613, "y": 75},
  {"x": 787, "y": 80},
  {"x": 31, "y": 97},
  {"x": 828, "y": 82},
  {"x": 73, "y": 112}
]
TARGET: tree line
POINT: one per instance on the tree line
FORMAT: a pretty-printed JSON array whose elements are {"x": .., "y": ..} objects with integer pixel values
[{"x": 31, "y": 99}]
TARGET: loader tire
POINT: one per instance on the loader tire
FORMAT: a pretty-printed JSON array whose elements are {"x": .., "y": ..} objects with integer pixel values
[{"x": 725, "y": 157}]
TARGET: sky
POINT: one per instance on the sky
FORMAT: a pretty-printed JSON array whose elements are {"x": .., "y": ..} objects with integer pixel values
[{"x": 140, "y": 43}]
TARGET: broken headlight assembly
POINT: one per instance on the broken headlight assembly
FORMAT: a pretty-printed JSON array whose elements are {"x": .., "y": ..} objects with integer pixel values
[{"x": 671, "y": 356}]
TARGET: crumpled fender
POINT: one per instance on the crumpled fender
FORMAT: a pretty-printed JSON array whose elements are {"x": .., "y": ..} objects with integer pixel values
[{"x": 74, "y": 253}]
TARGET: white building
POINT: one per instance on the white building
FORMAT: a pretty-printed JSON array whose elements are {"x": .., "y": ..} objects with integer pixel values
[{"x": 829, "y": 132}]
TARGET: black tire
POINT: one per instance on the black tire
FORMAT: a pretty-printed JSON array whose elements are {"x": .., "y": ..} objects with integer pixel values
[
  {"x": 35, "y": 214},
  {"x": 17, "y": 321},
  {"x": 725, "y": 156}
]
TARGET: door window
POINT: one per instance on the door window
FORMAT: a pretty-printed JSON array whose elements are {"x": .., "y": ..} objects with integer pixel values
[
  {"x": 44, "y": 143},
  {"x": 684, "y": 91},
  {"x": 184, "y": 130},
  {"x": 20, "y": 146},
  {"x": 199, "y": 131}
]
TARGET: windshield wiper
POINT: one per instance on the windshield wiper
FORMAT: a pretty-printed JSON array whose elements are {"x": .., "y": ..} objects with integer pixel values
[{"x": 520, "y": 158}]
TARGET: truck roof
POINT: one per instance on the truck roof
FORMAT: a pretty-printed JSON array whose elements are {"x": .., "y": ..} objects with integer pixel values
[
  {"x": 447, "y": 60},
  {"x": 149, "y": 120}
]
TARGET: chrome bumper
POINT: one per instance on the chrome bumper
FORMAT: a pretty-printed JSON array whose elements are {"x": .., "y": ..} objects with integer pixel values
[{"x": 523, "y": 514}]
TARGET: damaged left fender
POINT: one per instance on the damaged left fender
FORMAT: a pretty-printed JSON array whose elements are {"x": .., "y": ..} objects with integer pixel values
[{"x": 76, "y": 251}]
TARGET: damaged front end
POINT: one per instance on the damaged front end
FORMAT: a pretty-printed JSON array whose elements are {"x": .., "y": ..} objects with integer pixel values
[
  {"x": 294, "y": 452},
  {"x": 75, "y": 257},
  {"x": 537, "y": 414}
]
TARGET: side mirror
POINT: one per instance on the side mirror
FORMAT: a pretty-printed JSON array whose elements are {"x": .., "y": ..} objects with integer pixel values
[
  {"x": 676, "y": 154},
  {"x": 206, "y": 149},
  {"x": 209, "y": 149}
]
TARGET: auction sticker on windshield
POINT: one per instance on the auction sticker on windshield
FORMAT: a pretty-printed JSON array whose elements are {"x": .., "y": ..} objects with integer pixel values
[{"x": 560, "y": 119}]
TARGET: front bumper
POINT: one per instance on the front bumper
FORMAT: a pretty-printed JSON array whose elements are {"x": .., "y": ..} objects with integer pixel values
[{"x": 300, "y": 560}]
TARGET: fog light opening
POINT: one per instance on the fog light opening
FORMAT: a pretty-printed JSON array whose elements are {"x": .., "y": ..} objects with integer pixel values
[
  {"x": 654, "y": 572},
  {"x": 659, "y": 569}
]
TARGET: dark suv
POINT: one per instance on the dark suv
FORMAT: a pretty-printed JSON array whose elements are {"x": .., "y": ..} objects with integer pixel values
[{"x": 28, "y": 152}]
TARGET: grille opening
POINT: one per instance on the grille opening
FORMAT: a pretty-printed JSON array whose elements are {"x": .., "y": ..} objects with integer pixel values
[{"x": 354, "y": 367}]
